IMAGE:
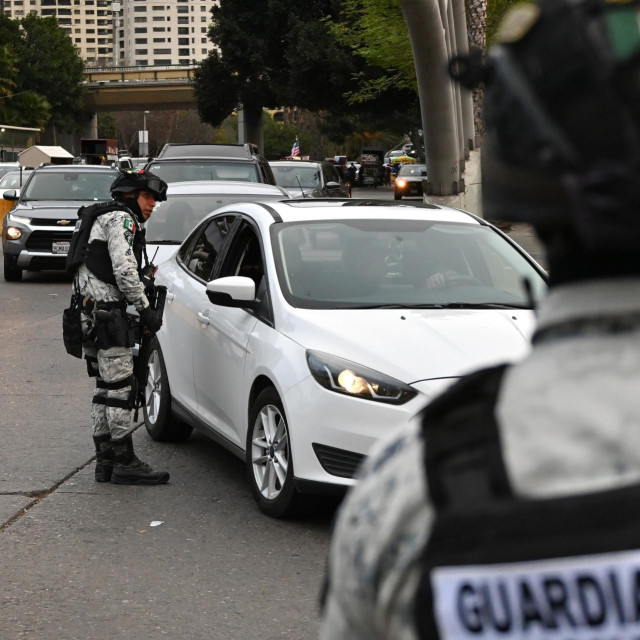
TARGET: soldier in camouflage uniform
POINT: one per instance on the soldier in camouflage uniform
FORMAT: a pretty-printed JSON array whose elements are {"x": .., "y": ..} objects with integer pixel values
[
  {"x": 562, "y": 152},
  {"x": 107, "y": 251}
]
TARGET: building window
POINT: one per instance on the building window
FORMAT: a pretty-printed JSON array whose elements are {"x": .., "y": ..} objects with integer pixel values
[
  {"x": 203, "y": 41},
  {"x": 141, "y": 41},
  {"x": 143, "y": 62},
  {"x": 159, "y": 18},
  {"x": 140, "y": 30},
  {"x": 183, "y": 30},
  {"x": 204, "y": 52},
  {"x": 159, "y": 29},
  {"x": 162, "y": 51},
  {"x": 203, "y": 18},
  {"x": 183, "y": 20},
  {"x": 183, "y": 9},
  {"x": 141, "y": 52},
  {"x": 183, "y": 41},
  {"x": 183, "y": 52},
  {"x": 139, "y": 19},
  {"x": 140, "y": 9},
  {"x": 159, "y": 39},
  {"x": 162, "y": 61}
]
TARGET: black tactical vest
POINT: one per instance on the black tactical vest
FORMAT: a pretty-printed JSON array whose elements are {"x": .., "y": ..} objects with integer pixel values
[
  {"x": 96, "y": 254},
  {"x": 500, "y": 566}
]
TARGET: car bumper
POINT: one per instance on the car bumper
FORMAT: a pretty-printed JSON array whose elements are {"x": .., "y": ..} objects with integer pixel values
[
  {"x": 34, "y": 249},
  {"x": 332, "y": 433}
]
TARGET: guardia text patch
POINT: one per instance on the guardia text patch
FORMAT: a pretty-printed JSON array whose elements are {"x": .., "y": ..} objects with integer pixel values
[
  {"x": 594, "y": 597},
  {"x": 128, "y": 236}
]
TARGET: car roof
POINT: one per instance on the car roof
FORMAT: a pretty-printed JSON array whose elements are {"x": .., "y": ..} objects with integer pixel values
[
  {"x": 296, "y": 163},
  {"x": 187, "y": 150},
  {"x": 312, "y": 209},
  {"x": 76, "y": 167},
  {"x": 187, "y": 159},
  {"x": 227, "y": 187}
]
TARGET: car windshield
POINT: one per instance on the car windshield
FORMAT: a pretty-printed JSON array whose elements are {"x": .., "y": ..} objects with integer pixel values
[
  {"x": 69, "y": 185},
  {"x": 5, "y": 170},
  {"x": 401, "y": 263},
  {"x": 172, "y": 219},
  {"x": 308, "y": 177},
  {"x": 13, "y": 179},
  {"x": 204, "y": 170},
  {"x": 413, "y": 170}
]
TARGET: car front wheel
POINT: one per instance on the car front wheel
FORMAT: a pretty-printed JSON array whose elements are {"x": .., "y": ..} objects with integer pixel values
[
  {"x": 269, "y": 461},
  {"x": 11, "y": 274},
  {"x": 158, "y": 419}
]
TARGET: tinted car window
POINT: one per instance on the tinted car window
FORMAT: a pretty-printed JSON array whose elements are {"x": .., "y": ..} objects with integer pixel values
[
  {"x": 369, "y": 263},
  {"x": 173, "y": 219},
  {"x": 202, "y": 256},
  {"x": 13, "y": 179},
  {"x": 307, "y": 176},
  {"x": 69, "y": 185},
  {"x": 204, "y": 170},
  {"x": 413, "y": 170}
]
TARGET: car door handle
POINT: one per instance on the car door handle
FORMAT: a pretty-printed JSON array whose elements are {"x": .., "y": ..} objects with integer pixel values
[
  {"x": 204, "y": 319},
  {"x": 170, "y": 296}
]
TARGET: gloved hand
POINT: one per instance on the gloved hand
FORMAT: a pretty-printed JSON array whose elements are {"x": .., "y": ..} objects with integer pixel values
[{"x": 151, "y": 319}]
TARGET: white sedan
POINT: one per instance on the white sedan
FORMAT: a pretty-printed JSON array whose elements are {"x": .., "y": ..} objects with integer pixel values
[{"x": 297, "y": 333}]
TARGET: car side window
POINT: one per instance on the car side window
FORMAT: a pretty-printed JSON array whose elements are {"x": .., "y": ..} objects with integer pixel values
[
  {"x": 202, "y": 252},
  {"x": 244, "y": 258}
]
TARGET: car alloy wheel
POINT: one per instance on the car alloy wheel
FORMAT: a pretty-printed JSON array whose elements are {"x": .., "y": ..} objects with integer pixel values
[
  {"x": 158, "y": 418},
  {"x": 269, "y": 460}
]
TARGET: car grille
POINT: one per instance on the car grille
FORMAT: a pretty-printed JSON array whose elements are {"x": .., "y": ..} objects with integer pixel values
[
  {"x": 44, "y": 262},
  {"x": 338, "y": 462},
  {"x": 48, "y": 222},
  {"x": 42, "y": 240}
]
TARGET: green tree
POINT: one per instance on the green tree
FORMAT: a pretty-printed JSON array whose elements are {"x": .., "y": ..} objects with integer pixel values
[
  {"x": 107, "y": 126},
  {"x": 49, "y": 64}
]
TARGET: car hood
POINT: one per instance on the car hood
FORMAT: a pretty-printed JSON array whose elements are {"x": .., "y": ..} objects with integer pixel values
[
  {"x": 53, "y": 209},
  {"x": 414, "y": 345},
  {"x": 412, "y": 178}
]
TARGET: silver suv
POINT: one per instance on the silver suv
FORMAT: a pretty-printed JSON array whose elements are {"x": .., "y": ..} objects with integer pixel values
[{"x": 37, "y": 231}]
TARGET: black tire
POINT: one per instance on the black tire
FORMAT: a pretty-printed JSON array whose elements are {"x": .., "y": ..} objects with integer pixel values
[
  {"x": 158, "y": 418},
  {"x": 397, "y": 196},
  {"x": 285, "y": 499},
  {"x": 11, "y": 274}
]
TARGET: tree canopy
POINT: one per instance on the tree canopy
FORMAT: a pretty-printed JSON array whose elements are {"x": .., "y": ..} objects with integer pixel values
[
  {"x": 283, "y": 52},
  {"x": 40, "y": 74}
]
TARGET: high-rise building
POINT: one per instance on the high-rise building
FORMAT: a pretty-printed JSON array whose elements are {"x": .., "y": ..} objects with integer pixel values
[{"x": 128, "y": 32}]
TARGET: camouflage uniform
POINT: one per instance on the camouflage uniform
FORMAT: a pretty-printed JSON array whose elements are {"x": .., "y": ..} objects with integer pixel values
[
  {"x": 116, "y": 363},
  {"x": 568, "y": 417}
]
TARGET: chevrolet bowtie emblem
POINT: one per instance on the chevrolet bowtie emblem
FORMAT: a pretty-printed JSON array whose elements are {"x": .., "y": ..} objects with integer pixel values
[{"x": 64, "y": 222}]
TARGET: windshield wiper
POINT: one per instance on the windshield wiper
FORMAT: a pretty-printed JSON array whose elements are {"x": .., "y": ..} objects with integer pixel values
[
  {"x": 393, "y": 306},
  {"x": 484, "y": 305}
]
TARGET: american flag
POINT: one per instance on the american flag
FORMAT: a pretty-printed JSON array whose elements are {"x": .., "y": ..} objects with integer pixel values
[{"x": 295, "y": 150}]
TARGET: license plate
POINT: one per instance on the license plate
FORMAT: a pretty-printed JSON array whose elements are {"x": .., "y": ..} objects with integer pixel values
[{"x": 60, "y": 247}]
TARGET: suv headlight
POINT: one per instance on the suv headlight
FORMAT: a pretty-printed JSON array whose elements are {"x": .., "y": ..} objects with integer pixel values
[{"x": 351, "y": 379}]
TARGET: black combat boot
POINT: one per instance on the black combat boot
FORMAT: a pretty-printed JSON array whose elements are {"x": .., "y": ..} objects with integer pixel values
[
  {"x": 105, "y": 457},
  {"x": 128, "y": 469}
]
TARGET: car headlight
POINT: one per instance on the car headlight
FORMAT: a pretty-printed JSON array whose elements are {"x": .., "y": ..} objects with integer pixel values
[
  {"x": 19, "y": 219},
  {"x": 13, "y": 233},
  {"x": 351, "y": 379},
  {"x": 401, "y": 183}
]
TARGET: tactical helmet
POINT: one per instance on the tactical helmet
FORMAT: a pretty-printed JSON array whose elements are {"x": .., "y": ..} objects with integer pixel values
[
  {"x": 134, "y": 180},
  {"x": 562, "y": 112}
]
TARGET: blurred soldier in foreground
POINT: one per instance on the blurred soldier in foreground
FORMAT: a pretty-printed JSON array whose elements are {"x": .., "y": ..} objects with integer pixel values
[
  {"x": 512, "y": 510},
  {"x": 106, "y": 258}
]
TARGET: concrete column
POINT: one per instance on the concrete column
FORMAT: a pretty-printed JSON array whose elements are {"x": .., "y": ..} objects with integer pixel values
[
  {"x": 252, "y": 126},
  {"x": 91, "y": 129},
  {"x": 466, "y": 97}
]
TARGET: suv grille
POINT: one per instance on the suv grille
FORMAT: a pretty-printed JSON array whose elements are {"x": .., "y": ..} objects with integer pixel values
[
  {"x": 48, "y": 222},
  {"x": 42, "y": 240},
  {"x": 338, "y": 462}
]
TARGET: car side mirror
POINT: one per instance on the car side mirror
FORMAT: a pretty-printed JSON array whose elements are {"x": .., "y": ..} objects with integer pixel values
[
  {"x": 10, "y": 195},
  {"x": 233, "y": 291},
  {"x": 333, "y": 185}
]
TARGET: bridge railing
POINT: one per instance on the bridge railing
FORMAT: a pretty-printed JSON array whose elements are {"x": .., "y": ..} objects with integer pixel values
[{"x": 138, "y": 73}]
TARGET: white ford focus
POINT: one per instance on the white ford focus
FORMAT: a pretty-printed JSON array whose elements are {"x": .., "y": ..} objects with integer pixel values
[{"x": 296, "y": 333}]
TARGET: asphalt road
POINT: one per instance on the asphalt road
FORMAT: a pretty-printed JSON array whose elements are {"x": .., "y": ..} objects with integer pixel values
[{"x": 80, "y": 560}]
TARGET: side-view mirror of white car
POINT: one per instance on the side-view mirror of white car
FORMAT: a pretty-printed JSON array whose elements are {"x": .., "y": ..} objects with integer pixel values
[{"x": 232, "y": 291}]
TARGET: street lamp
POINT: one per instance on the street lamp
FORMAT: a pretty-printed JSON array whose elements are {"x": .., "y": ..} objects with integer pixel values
[{"x": 143, "y": 138}]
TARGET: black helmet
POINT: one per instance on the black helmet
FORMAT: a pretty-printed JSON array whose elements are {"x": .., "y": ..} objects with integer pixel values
[
  {"x": 134, "y": 180},
  {"x": 562, "y": 112}
]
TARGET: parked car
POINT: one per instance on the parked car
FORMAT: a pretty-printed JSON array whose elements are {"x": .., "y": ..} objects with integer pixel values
[
  {"x": 188, "y": 203},
  {"x": 183, "y": 162},
  {"x": 309, "y": 179},
  {"x": 36, "y": 233},
  {"x": 408, "y": 182},
  {"x": 14, "y": 180},
  {"x": 298, "y": 333},
  {"x": 5, "y": 167}
]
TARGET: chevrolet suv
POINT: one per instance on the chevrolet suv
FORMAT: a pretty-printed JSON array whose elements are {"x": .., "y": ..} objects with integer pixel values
[
  {"x": 178, "y": 162},
  {"x": 36, "y": 233}
]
